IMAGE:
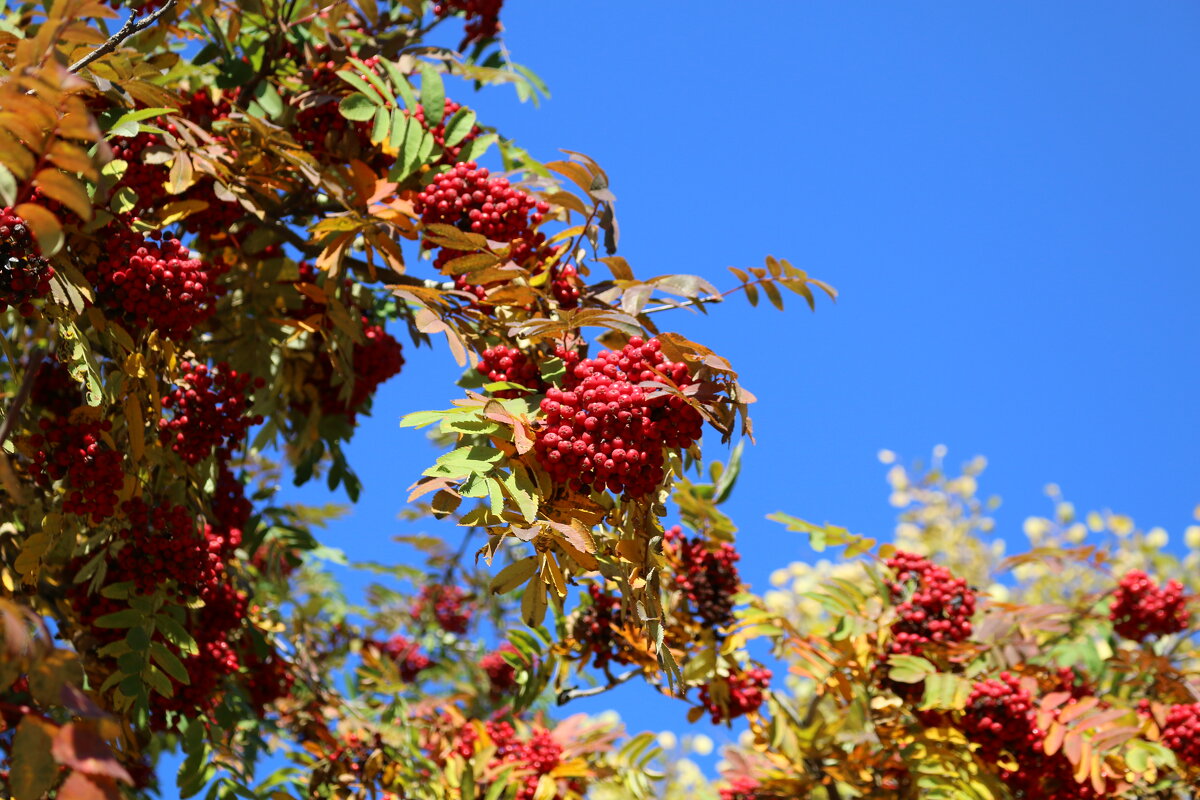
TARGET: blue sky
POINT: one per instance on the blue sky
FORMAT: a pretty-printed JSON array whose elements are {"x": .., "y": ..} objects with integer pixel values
[{"x": 1005, "y": 194}]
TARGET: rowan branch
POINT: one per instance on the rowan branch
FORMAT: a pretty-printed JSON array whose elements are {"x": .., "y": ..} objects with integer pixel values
[
  {"x": 567, "y": 695},
  {"x": 18, "y": 401},
  {"x": 132, "y": 26}
]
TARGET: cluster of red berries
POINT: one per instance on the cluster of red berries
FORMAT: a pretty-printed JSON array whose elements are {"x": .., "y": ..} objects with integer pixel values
[
  {"x": 746, "y": 692},
  {"x": 564, "y": 285},
  {"x": 163, "y": 544},
  {"x": 54, "y": 390},
  {"x": 449, "y": 154},
  {"x": 207, "y": 411},
  {"x": 1181, "y": 732},
  {"x": 448, "y": 604},
  {"x": 706, "y": 575},
  {"x": 407, "y": 656},
  {"x": 147, "y": 181},
  {"x": 534, "y": 756},
  {"x": 483, "y": 17},
  {"x": 146, "y": 283},
  {"x": 76, "y": 453},
  {"x": 1073, "y": 681},
  {"x": 934, "y": 606},
  {"x": 604, "y": 430},
  {"x": 143, "y": 7},
  {"x": 740, "y": 787},
  {"x": 1141, "y": 608},
  {"x": 267, "y": 679},
  {"x": 502, "y": 676},
  {"x": 467, "y": 198},
  {"x": 230, "y": 509},
  {"x": 378, "y": 358},
  {"x": 1000, "y": 718},
  {"x": 502, "y": 364},
  {"x": 320, "y": 127},
  {"x": 24, "y": 274},
  {"x": 593, "y": 630}
]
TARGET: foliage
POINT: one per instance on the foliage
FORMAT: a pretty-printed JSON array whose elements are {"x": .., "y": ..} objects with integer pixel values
[{"x": 209, "y": 215}]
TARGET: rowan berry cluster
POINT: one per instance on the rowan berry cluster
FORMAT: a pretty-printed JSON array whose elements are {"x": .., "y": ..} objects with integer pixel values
[
  {"x": 54, "y": 390},
  {"x": 604, "y": 430},
  {"x": 502, "y": 676},
  {"x": 746, "y": 692},
  {"x": 564, "y": 285},
  {"x": 502, "y": 364},
  {"x": 593, "y": 630},
  {"x": 207, "y": 411},
  {"x": 320, "y": 127},
  {"x": 448, "y": 606},
  {"x": 407, "y": 656},
  {"x": 706, "y": 574},
  {"x": 147, "y": 181},
  {"x": 76, "y": 453},
  {"x": 933, "y": 605},
  {"x": 378, "y": 358},
  {"x": 1069, "y": 679},
  {"x": 163, "y": 545},
  {"x": 24, "y": 274},
  {"x": 438, "y": 131},
  {"x": 268, "y": 678},
  {"x": 467, "y": 198},
  {"x": 534, "y": 756},
  {"x": 740, "y": 787},
  {"x": 483, "y": 17},
  {"x": 1000, "y": 718},
  {"x": 1181, "y": 732},
  {"x": 1140, "y": 608},
  {"x": 147, "y": 283}
]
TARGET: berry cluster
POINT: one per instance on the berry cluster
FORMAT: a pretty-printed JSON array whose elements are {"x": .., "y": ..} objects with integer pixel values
[
  {"x": 467, "y": 198},
  {"x": 320, "y": 127},
  {"x": 207, "y": 411},
  {"x": 378, "y": 358},
  {"x": 594, "y": 626},
  {"x": 604, "y": 430},
  {"x": 745, "y": 695},
  {"x": 145, "y": 283},
  {"x": 449, "y": 607},
  {"x": 24, "y": 274},
  {"x": 502, "y": 676},
  {"x": 54, "y": 390},
  {"x": 450, "y": 154},
  {"x": 534, "y": 756},
  {"x": 1073, "y": 681},
  {"x": 75, "y": 452},
  {"x": 483, "y": 17},
  {"x": 407, "y": 655},
  {"x": 1000, "y": 718},
  {"x": 502, "y": 364},
  {"x": 268, "y": 678},
  {"x": 163, "y": 545},
  {"x": 705, "y": 574},
  {"x": 933, "y": 605},
  {"x": 564, "y": 285},
  {"x": 740, "y": 787},
  {"x": 1141, "y": 608},
  {"x": 1182, "y": 732}
]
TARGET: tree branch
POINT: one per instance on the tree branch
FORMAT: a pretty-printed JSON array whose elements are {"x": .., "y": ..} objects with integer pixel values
[
  {"x": 14, "y": 408},
  {"x": 567, "y": 695},
  {"x": 132, "y": 26}
]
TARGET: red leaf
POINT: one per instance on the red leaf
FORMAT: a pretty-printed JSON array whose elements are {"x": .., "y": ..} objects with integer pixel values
[
  {"x": 78, "y": 746},
  {"x": 81, "y": 787}
]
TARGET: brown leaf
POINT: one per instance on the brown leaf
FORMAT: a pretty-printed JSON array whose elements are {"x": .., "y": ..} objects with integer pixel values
[
  {"x": 79, "y": 786},
  {"x": 33, "y": 770},
  {"x": 79, "y": 746},
  {"x": 60, "y": 186}
]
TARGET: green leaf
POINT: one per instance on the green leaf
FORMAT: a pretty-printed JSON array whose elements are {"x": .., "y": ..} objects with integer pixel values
[
  {"x": 724, "y": 485},
  {"x": 473, "y": 150},
  {"x": 910, "y": 669},
  {"x": 169, "y": 662},
  {"x": 357, "y": 82},
  {"x": 374, "y": 80},
  {"x": 120, "y": 619},
  {"x": 433, "y": 95},
  {"x": 33, "y": 768},
  {"x": 159, "y": 682},
  {"x": 268, "y": 98},
  {"x": 383, "y": 124},
  {"x": 458, "y": 126},
  {"x": 400, "y": 84}
]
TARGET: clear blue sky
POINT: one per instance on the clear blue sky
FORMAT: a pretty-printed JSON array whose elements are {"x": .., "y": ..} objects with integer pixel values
[{"x": 1005, "y": 193}]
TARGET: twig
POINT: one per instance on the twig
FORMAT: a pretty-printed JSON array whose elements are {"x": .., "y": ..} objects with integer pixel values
[
  {"x": 14, "y": 408},
  {"x": 695, "y": 301},
  {"x": 567, "y": 695},
  {"x": 132, "y": 26}
]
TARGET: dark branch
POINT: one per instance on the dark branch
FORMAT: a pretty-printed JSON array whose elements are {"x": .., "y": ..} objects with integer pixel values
[
  {"x": 14, "y": 408},
  {"x": 132, "y": 26},
  {"x": 567, "y": 695}
]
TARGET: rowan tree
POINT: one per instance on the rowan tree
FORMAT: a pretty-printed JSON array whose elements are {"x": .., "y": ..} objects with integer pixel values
[{"x": 217, "y": 222}]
